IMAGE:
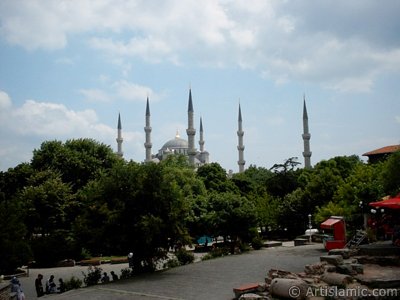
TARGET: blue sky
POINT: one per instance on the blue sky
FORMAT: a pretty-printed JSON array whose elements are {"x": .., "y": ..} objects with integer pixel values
[{"x": 68, "y": 67}]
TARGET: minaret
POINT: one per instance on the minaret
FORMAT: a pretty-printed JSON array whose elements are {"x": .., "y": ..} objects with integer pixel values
[
  {"x": 240, "y": 147},
  {"x": 147, "y": 130},
  {"x": 201, "y": 141},
  {"x": 119, "y": 137},
  {"x": 306, "y": 137},
  {"x": 191, "y": 132}
]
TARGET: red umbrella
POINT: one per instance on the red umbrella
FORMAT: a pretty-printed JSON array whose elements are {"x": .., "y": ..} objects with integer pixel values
[{"x": 393, "y": 203}]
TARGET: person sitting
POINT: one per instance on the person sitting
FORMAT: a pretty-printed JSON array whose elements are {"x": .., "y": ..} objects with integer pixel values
[
  {"x": 105, "y": 278},
  {"x": 114, "y": 276},
  {"x": 16, "y": 288},
  {"x": 51, "y": 287},
  {"x": 61, "y": 286}
]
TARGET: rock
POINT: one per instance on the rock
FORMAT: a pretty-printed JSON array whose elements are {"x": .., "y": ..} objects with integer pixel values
[
  {"x": 330, "y": 268},
  {"x": 288, "y": 288},
  {"x": 358, "y": 268},
  {"x": 250, "y": 296},
  {"x": 345, "y": 269},
  {"x": 315, "y": 269},
  {"x": 345, "y": 253},
  {"x": 336, "y": 279},
  {"x": 332, "y": 259}
]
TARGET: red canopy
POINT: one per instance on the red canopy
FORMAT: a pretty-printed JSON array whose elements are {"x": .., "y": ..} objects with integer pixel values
[{"x": 393, "y": 203}]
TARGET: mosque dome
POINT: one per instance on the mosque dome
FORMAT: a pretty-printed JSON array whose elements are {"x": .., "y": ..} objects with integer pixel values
[{"x": 176, "y": 143}]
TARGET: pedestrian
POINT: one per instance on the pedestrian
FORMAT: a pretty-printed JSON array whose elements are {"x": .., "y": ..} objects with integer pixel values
[
  {"x": 61, "y": 286},
  {"x": 39, "y": 285},
  {"x": 51, "y": 287},
  {"x": 16, "y": 288},
  {"x": 114, "y": 276}
]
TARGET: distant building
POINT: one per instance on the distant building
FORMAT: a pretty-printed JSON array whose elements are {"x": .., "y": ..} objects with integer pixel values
[
  {"x": 381, "y": 154},
  {"x": 196, "y": 157}
]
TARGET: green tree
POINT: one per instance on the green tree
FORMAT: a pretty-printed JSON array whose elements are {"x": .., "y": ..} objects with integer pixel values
[
  {"x": 390, "y": 175},
  {"x": 141, "y": 209},
  {"x": 78, "y": 161},
  {"x": 215, "y": 178}
]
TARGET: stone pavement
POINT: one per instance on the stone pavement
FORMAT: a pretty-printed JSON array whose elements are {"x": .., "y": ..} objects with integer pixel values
[{"x": 211, "y": 279}]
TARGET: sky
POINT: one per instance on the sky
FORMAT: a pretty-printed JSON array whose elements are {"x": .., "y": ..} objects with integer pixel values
[{"x": 67, "y": 68}]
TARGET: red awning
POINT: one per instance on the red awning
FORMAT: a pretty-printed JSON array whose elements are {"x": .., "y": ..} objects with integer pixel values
[
  {"x": 393, "y": 203},
  {"x": 330, "y": 222}
]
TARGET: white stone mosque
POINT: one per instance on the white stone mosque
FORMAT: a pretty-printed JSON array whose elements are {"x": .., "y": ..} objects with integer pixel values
[{"x": 200, "y": 157}]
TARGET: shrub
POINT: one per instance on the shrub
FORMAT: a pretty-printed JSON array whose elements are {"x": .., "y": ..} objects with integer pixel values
[
  {"x": 184, "y": 257},
  {"x": 93, "y": 276},
  {"x": 72, "y": 283},
  {"x": 216, "y": 252},
  {"x": 257, "y": 243},
  {"x": 172, "y": 263}
]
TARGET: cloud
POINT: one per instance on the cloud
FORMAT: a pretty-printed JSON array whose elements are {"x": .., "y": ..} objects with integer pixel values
[
  {"x": 341, "y": 45},
  {"x": 134, "y": 92},
  {"x": 5, "y": 101}
]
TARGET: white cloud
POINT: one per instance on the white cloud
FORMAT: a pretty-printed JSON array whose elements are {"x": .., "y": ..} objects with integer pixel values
[
  {"x": 319, "y": 42},
  {"x": 134, "y": 92},
  {"x": 5, "y": 101},
  {"x": 51, "y": 119}
]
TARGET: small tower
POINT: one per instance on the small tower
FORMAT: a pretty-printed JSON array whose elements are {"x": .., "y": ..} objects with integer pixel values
[
  {"x": 306, "y": 137},
  {"x": 203, "y": 155},
  {"x": 119, "y": 137},
  {"x": 191, "y": 132},
  {"x": 240, "y": 147},
  {"x": 147, "y": 130}
]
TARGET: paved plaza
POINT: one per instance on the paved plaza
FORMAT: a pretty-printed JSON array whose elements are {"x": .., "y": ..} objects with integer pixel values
[{"x": 211, "y": 279}]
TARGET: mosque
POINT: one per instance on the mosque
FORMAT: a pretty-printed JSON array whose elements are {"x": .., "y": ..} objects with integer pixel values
[{"x": 200, "y": 157}]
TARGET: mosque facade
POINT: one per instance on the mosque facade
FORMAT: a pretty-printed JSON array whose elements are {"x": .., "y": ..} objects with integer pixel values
[{"x": 199, "y": 157}]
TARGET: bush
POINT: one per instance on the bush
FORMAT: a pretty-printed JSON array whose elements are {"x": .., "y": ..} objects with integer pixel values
[
  {"x": 257, "y": 243},
  {"x": 172, "y": 263},
  {"x": 93, "y": 276},
  {"x": 72, "y": 283},
  {"x": 184, "y": 257},
  {"x": 126, "y": 273},
  {"x": 216, "y": 252}
]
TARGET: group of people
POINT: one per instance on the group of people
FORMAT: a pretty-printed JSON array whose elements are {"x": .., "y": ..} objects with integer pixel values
[
  {"x": 105, "y": 278},
  {"x": 50, "y": 287}
]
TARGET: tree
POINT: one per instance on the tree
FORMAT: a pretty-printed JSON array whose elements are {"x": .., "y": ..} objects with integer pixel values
[
  {"x": 390, "y": 174},
  {"x": 231, "y": 215},
  {"x": 142, "y": 210},
  {"x": 215, "y": 178},
  {"x": 284, "y": 180},
  {"x": 14, "y": 247},
  {"x": 78, "y": 161}
]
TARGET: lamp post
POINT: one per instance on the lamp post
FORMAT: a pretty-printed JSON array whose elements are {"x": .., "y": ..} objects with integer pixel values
[{"x": 309, "y": 227}]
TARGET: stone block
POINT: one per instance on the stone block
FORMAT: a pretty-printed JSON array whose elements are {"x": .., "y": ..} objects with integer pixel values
[
  {"x": 345, "y": 253},
  {"x": 345, "y": 269},
  {"x": 250, "y": 296},
  {"x": 332, "y": 259},
  {"x": 358, "y": 268},
  {"x": 336, "y": 279},
  {"x": 288, "y": 288}
]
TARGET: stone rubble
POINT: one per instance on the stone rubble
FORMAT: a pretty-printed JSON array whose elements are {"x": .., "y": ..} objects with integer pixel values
[{"x": 335, "y": 273}]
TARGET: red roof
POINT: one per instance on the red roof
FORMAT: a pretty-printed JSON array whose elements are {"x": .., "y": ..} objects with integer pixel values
[
  {"x": 383, "y": 150},
  {"x": 330, "y": 222}
]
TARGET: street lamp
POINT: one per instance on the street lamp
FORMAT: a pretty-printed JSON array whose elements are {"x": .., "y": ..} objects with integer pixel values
[{"x": 309, "y": 227}]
